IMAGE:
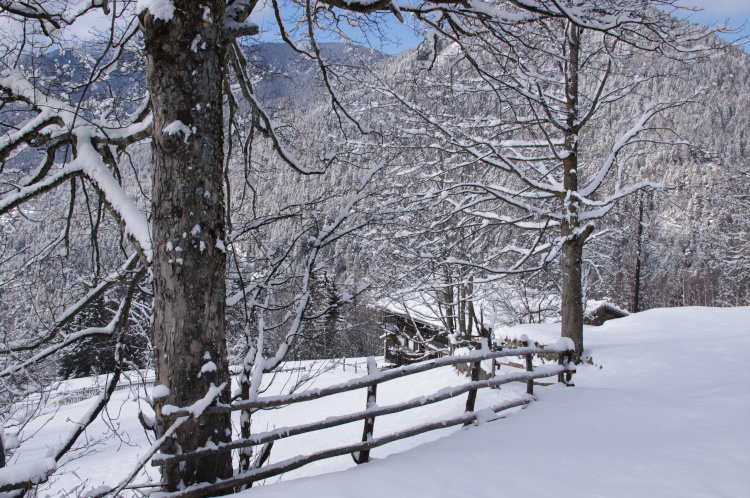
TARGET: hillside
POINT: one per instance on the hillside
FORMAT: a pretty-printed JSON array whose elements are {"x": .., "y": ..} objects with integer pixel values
[
  {"x": 691, "y": 243},
  {"x": 694, "y": 246}
]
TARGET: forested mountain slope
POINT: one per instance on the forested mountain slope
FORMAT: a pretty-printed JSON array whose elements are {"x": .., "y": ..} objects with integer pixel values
[{"x": 693, "y": 241}]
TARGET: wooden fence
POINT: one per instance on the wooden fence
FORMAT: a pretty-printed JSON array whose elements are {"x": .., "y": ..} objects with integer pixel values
[
  {"x": 84, "y": 393},
  {"x": 563, "y": 370},
  {"x": 74, "y": 396}
]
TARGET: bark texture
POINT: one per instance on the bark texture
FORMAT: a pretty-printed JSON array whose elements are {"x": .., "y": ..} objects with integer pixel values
[
  {"x": 185, "y": 73},
  {"x": 638, "y": 255},
  {"x": 573, "y": 234},
  {"x": 572, "y": 294}
]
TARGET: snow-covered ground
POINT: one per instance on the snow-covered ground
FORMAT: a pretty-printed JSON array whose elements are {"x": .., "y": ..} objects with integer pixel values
[
  {"x": 667, "y": 414},
  {"x": 663, "y": 411}
]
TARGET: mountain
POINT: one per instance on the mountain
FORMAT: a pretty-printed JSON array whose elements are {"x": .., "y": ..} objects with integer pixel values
[
  {"x": 693, "y": 244},
  {"x": 693, "y": 248},
  {"x": 284, "y": 73}
]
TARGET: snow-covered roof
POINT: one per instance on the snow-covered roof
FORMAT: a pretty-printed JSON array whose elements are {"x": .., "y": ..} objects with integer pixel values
[{"x": 593, "y": 306}]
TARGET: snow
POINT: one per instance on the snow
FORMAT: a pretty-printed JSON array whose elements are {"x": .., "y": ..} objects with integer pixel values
[
  {"x": 565, "y": 344},
  {"x": 96, "y": 491},
  {"x": 666, "y": 415},
  {"x": 34, "y": 471},
  {"x": 177, "y": 127},
  {"x": 160, "y": 9},
  {"x": 543, "y": 333},
  {"x": 196, "y": 41},
  {"x": 208, "y": 367},
  {"x": 662, "y": 411},
  {"x": 197, "y": 408},
  {"x": 160, "y": 391}
]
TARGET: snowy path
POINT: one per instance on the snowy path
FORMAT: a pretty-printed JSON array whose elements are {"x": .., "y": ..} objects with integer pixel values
[{"x": 667, "y": 415}]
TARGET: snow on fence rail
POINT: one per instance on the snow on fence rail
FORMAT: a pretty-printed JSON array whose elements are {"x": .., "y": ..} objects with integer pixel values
[
  {"x": 74, "y": 396},
  {"x": 360, "y": 450},
  {"x": 84, "y": 393}
]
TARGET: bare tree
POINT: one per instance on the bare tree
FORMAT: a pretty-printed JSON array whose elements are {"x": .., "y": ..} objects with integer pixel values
[
  {"x": 80, "y": 131},
  {"x": 75, "y": 119},
  {"x": 509, "y": 110}
]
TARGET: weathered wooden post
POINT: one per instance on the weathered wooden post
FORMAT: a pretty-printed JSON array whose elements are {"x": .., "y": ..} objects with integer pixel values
[
  {"x": 364, "y": 455},
  {"x": 566, "y": 357},
  {"x": 2, "y": 448},
  {"x": 568, "y": 375},
  {"x": 471, "y": 400},
  {"x": 495, "y": 364},
  {"x": 529, "y": 367}
]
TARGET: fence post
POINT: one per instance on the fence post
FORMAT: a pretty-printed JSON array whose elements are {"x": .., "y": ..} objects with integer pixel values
[
  {"x": 529, "y": 367},
  {"x": 472, "y": 393},
  {"x": 496, "y": 364},
  {"x": 364, "y": 455},
  {"x": 564, "y": 360},
  {"x": 568, "y": 375}
]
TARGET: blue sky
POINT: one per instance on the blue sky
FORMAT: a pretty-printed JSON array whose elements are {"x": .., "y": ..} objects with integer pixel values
[{"x": 733, "y": 13}]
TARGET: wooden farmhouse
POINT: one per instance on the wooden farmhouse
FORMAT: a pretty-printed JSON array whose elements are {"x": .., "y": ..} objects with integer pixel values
[
  {"x": 408, "y": 340},
  {"x": 602, "y": 311}
]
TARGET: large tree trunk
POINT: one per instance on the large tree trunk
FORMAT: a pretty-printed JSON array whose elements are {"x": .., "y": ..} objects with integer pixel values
[
  {"x": 184, "y": 77},
  {"x": 574, "y": 236},
  {"x": 572, "y": 293}
]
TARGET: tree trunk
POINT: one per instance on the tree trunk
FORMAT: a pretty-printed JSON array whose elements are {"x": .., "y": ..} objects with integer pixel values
[
  {"x": 184, "y": 77},
  {"x": 2, "y": 448},
  {"x": 245, "y": 420},
  {"x": 573, "y": 236},
  {"x": 639, "y": 248},
  {"x": 572, "y": 293}
]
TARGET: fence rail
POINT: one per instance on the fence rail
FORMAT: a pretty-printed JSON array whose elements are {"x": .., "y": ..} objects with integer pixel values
[
  {"x": 77, "y": 395},
  {"x": 84, "y": 393},
  {"x": 563, "y": 370}
]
